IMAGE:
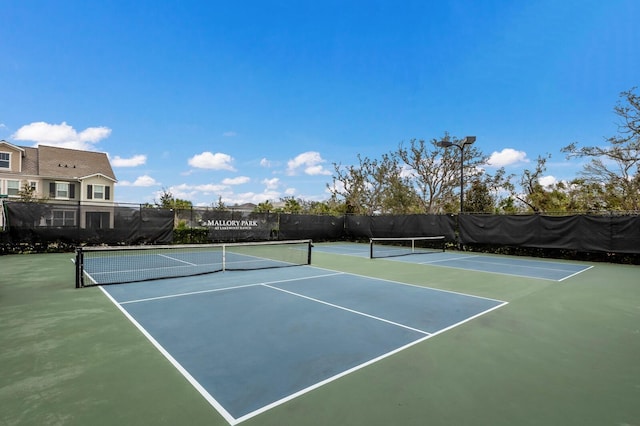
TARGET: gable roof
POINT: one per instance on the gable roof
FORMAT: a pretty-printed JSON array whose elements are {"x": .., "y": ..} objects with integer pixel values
[
  {"x": 54, "y": 162},
  {"x": 72, "y": 163},
  {"x": 12, "y": 146}
]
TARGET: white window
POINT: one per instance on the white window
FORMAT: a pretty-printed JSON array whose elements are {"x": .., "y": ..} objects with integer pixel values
[
  {"x": 63, "y": 218},
  {"x": 62, "y": 190},
  {"x": 13, "y": 187},
  {"x": 5, "y": 160},
  {"x": 98, "y": 192}
]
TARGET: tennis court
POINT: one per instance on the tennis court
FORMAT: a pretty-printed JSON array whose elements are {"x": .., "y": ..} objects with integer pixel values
[
  {"x": 304, "y": 327},
  {"x": 413, "y": 340},
  {"x": 507, "y": 265}
]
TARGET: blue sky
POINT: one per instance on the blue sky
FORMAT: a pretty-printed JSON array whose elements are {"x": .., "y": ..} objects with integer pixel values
[{"x": 256, "y": 100}]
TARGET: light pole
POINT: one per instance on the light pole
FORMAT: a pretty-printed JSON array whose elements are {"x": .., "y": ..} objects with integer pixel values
[{"x": 468, "y": 140}]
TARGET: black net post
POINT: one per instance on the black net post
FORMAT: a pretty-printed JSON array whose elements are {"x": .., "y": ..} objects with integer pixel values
[{"x": 79, "y": 268}]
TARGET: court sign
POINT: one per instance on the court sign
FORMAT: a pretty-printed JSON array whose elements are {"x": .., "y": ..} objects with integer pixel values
[{"x": 239, "y": 226}]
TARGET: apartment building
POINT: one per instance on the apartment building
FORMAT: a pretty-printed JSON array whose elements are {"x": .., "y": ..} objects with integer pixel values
[{"x": 79, "y": 185}]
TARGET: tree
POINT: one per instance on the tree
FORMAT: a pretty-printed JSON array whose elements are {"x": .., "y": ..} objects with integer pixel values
[
  {"x": 507, "y": 205},
  {"x": 397, "y": 194},
  {"x": 586, "y": 196},
  {"x": 353, "y": 184},
  {"x": 28, "y": 193},
  {"x": 332, "y": 206},
  {"x": 264, "y": 207},
  {"x": 436, "y": 172},
  {"x": 291, "y": 205},
  {"x": 484, "y": 195},
  {"x": 348, "y": 184},
  {"x": 220, "y": 206},
  {"x": 37, "y": 209},
  {"x": 321, "y": 207},
  {"x": 533, "y": 195},
  {"x": 478, "y": 198},
  {"x": 168, "y": 201},
  {"x": 617, "y": 165},
  {"x": 374, "y": 186}
]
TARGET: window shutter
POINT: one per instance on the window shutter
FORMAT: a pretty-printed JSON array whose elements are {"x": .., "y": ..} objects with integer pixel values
[
  {"x": 89, "y": 192},
  {"x": 72, "y": 190},
  {"x": 107, "y": 192},
  {"x": 52, "y": 190}
]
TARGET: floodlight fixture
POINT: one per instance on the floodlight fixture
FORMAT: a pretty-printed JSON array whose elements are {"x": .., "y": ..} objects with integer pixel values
[
  {"x": 444, "y": 144},
  {"x": 468, "y": 140}
]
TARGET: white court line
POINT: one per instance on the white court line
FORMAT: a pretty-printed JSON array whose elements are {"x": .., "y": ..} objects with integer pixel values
[
  {"x": 181, "y": 267},
  {"x": 416, "y": 285},
  {"x": 177, "y": 260},
  {"x": 542, "y": 268},
  {"x": 506, "y": 264},
  {"x": 579, "y": 272},
  {"x": 206, "y": 395},
  {"x": 234, "y": 421},
  {"x": 449, "y": 259},
  {"x": 329, "y": 380},
  {"x": 498, "y": 273},
  {"x": 359, "y": 253},
  {"x": 213, "y": 290},
  {"x": 360, "y": 366},
  {"x": 190, "y": 293},
  {"x": 348, "y": 310},
  {"x": 355, "y": 253},
  {"x": 463, "y": 258}
]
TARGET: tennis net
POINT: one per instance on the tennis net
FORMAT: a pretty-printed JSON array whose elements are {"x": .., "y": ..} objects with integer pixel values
[
  {"x": 402, "y": 246},
  {"x": 123, "y": 264}
]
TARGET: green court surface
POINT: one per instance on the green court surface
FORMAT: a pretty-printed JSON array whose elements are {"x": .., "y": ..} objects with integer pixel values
[{"x": 559, "y": 353}]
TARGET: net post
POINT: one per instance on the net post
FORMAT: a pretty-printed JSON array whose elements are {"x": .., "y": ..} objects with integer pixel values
[
  {"x": 310, "y": 245},
  {"x": 224, "y": 257},
  {"x": 79, "y": 268},
  {"x": 370, "y": 248}
]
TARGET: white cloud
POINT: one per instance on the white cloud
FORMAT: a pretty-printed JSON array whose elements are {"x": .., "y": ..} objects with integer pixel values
[
  {"x": 143, "y": 181},
  {"x": 265, "y": 163},
  {"x": 207, "y": 188},
  {"x": 182, "y": 191},
  {"x": 236, "y": 180},
  {"x": 136, "y": 160},
  {"x": 61, "y": 135},
  {"x": 547, "y": 181},
  {"x": 310, "y": 162},
  {"x": 208, "y": 160},
  {"x": 186, "y": 191},
  {"x": 317, "y": 170},
  {"x": 336, "y": 186},
  {"x": 251, "y": 197},
  {"x": 229, "y": 134},
  {"x": 290, "y": 191},
  {"x": 507, "y": 157},
  {"x": 271, "y": 183}
]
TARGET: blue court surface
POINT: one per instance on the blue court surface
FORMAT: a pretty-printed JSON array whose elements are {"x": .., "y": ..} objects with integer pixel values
[
  {"x": 249, "y": 341},
  {"x": 506, "y": 265}
]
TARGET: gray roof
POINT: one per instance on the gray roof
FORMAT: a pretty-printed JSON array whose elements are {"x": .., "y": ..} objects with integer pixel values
[
  {"x": 30, "y": 161},
  {"x": 71, "y": 163},
  {"x": 53, "y": 162}
]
